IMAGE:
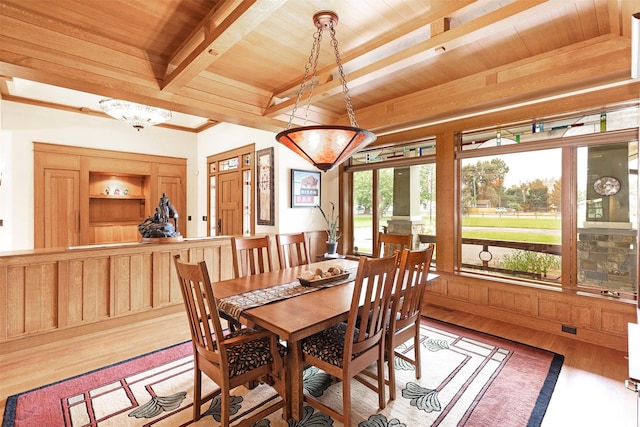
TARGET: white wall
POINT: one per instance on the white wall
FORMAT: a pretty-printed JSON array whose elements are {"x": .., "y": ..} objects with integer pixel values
[
  {"x": 225, "y": 137},
  {"x": 22, "y": 124}
]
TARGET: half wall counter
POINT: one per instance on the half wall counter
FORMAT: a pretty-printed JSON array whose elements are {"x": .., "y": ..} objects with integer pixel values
[{"x": 47, "y": 294}]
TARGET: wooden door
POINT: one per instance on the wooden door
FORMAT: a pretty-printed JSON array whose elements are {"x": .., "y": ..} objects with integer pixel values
[
  {"x": 61, "y": 208},
  {"x": 230, "y": 203},
  {"x": 231, "y": 198},
  {"x": 172, "y": 187}
]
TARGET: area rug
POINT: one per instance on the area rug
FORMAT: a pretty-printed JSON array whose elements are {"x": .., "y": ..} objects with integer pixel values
[{"x": 468, "y": 379}]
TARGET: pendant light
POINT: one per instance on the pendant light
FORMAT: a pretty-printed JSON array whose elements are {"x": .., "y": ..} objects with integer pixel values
[{"x": 325, "y": 146}]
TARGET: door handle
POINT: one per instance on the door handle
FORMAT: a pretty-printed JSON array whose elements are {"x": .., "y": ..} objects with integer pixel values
[{"x": 219, "y": 233}]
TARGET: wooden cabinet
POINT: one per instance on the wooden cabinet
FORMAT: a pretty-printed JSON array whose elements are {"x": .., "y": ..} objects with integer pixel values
[
  {"x": 117, "y": 204},
  {"x": 61, "y": 207},
  {"x": 170, "y": 182},
  {"x": 85, "y": 196}
]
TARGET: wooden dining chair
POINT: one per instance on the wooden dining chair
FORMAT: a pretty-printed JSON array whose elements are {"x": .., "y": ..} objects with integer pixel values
[
  {"x": 230, "y": 360},
  {"x": 345, "y": 350},
  {"x": 406, "y": 301},
  {"x": 292, "y": 249},
  {"x": 389, "y": 243},
  {"x": 251, "y": 255}
]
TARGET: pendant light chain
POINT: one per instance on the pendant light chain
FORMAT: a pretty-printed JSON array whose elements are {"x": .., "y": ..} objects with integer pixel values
[
  {"x": 324, "y": 146},
  {"x": 345, "y": 89},
  {"x": 312, "y": 63}
]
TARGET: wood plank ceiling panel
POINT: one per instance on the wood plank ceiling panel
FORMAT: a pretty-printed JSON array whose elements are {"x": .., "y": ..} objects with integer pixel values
[{"x": 242, "y": 61}]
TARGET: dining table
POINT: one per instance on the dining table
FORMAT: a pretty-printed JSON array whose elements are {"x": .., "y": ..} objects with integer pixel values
[
  {"x": 294, "y": 317},
  {"x": 302, "y": 312}
]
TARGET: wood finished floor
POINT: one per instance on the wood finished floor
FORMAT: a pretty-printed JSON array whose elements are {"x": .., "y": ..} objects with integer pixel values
[{"x": 590, "y": 390}]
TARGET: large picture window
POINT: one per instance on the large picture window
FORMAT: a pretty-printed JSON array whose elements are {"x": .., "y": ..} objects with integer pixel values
[
  {"x": 511, "y": 214},
  {"x": 576, "y": 182},
  {"x": 552, "y": 202}
]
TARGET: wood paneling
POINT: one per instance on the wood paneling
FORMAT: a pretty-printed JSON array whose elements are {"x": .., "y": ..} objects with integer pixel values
[
  {"x": 119, "y": 165},
  {"x": 598, "y": 320},
  {"x": 113, "y": 233},
  {"x": 87, "y": 303},
  {"x": 228, "y": 61},
  {"x": 75, "y": 194},
  {"x": 49, "y": 291},
  {"x": 46, "y": 292}
]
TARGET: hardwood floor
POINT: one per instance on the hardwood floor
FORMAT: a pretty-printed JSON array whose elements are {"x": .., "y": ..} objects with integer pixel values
[{"x": 590, "y": 390}]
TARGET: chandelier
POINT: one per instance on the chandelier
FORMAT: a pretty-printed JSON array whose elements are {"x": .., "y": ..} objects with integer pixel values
[
  {"x": 137, "y": 115},
  {"x": 324, "y": 146}
]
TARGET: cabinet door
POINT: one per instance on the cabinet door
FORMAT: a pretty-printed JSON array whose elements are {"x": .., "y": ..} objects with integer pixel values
[
  {"x": 61, "y": 208},
  {"x": 172, "y": 187}
]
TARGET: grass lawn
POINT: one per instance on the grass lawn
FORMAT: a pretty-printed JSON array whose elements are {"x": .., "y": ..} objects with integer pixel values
[
  {"x": 505, "y": 221},
  {"x": 513, "y": 236},
  {"x": 542, "y": 223},
  {"x": 364, "y": 221}
]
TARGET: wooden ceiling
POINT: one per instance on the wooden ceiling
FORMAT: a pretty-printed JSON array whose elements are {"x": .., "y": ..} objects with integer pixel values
[{"x": 406, "y": 62}]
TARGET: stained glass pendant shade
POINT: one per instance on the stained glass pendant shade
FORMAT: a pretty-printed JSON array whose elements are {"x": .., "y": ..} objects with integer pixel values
[{"x": 325, "y": 146}]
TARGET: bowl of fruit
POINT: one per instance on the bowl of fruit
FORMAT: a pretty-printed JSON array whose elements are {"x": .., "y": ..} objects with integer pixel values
[{"x": 319, "y": 276}]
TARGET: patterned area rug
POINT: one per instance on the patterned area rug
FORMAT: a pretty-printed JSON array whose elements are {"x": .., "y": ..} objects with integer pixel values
[{"x": 468, "y": 378}]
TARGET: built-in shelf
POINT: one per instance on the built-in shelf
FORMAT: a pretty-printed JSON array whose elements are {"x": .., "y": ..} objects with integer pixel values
[
  {"x": 118, "y": 210},
  {"x": 106, "y": 196}
]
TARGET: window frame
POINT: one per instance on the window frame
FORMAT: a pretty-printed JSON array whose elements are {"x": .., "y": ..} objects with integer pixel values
[
  {"x": 569, "y": 172},
  {"x": 349, "y": 169},
  {"x": 452, "y": 262}
]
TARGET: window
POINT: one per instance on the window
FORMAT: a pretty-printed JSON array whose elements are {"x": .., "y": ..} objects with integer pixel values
[
  {"x": 511, "y": 214},
  {"x": 607, "y": 218},
  {"x": 553, "y": 203},
  {"x": 363, "y": 212},
  {"x": 514, "y": 200},
  {"x": 549, "y": 129},
  {"x": 393, "y": 192}
]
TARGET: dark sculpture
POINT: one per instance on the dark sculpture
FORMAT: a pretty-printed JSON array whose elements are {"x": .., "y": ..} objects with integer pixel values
[{"x": 159, "y": 225}]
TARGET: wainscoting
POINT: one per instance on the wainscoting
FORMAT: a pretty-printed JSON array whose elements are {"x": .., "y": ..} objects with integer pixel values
[
  {"x": 51, "y": 294},
  {"x": 597, "y": 320}
]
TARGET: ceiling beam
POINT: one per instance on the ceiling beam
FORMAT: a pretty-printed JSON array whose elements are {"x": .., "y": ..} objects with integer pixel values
[
  {"x": 455, "y": 37},
  {"x": 438, "y": 12},
  {"x": 95, "y": 113},
  {"x": 222, "y": 28},
  {"x": 567, "y": 103},
  {"x": 568, "y": 69}
]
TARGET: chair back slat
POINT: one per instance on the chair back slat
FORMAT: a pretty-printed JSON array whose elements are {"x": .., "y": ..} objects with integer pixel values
[
  {"x": 388, "y": 244},
  {"x": 369, "y": 305},
  {"x": 292, "y": 250},
  {"x": 251, "y": 255}
]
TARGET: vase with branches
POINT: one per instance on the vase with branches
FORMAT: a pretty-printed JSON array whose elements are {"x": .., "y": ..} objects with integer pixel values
[{"x": 332, "y": 228}]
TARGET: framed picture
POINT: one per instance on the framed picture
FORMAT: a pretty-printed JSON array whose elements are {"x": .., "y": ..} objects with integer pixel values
[
  {"x": 265, "y": 200},
  {"x": 305, "y": 188}
]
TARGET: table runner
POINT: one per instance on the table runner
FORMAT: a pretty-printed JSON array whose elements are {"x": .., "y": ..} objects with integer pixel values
[{"x": 234, "y": 305}]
